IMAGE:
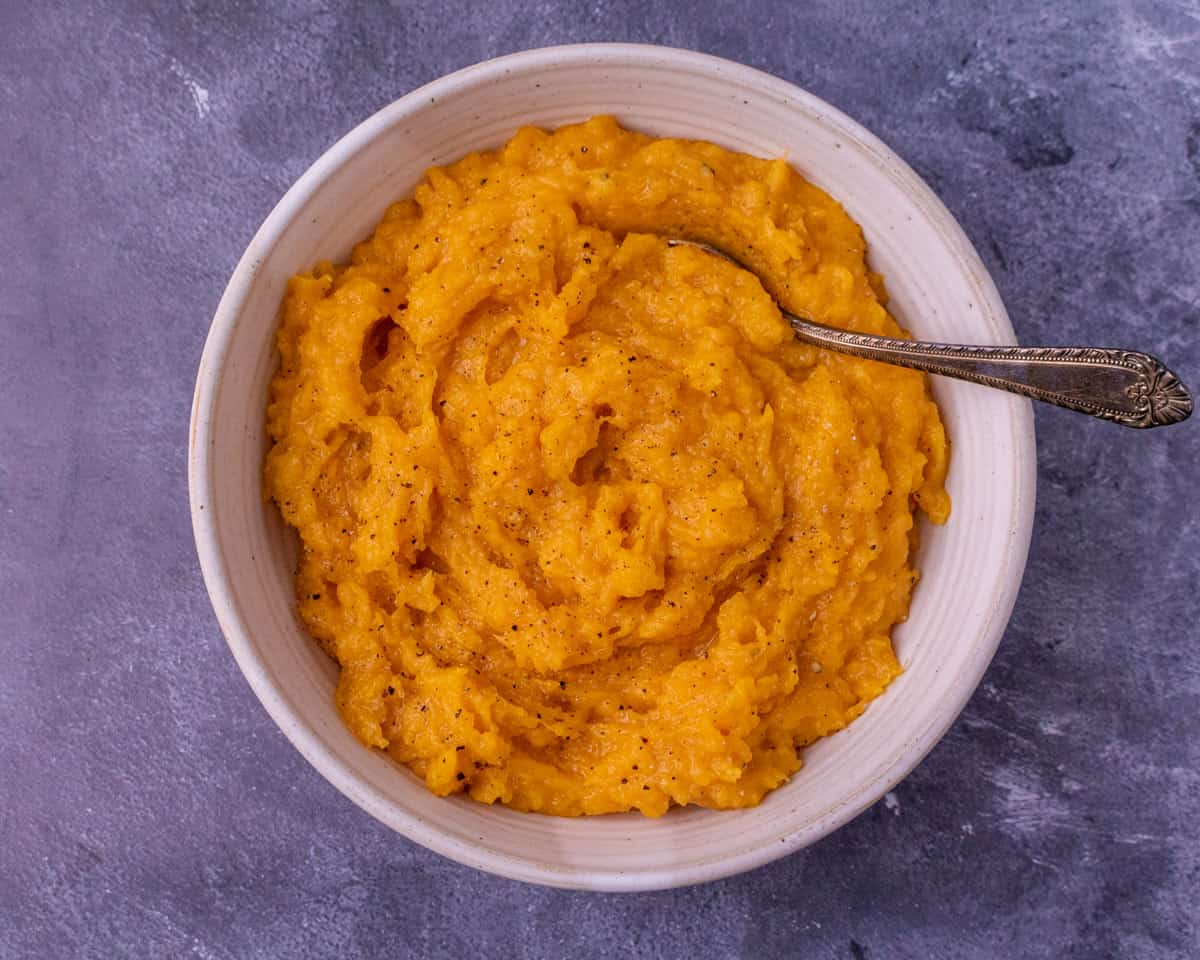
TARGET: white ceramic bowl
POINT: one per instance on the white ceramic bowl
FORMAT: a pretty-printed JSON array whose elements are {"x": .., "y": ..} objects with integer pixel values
[{"x": 971, "y": 569}]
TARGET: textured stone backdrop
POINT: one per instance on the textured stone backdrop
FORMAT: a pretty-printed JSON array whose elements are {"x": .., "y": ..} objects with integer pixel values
[{"x": 148, "y": 806}]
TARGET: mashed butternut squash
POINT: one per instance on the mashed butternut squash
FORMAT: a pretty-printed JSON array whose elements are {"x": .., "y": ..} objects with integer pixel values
[{"x": 586, "y": 529}]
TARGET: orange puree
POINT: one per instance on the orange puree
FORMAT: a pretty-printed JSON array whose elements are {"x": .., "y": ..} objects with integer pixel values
[{"x": 586, "y": 529}]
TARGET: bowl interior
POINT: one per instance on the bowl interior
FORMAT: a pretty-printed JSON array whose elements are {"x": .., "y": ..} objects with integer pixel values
[{"x": 940, "y": 290}]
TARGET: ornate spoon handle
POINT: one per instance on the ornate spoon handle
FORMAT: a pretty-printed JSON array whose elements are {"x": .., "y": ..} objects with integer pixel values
[{"x": 1130, "y": 388}]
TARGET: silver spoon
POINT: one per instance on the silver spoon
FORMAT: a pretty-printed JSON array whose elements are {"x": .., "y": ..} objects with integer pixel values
[{"x": 1130, "y": 388}]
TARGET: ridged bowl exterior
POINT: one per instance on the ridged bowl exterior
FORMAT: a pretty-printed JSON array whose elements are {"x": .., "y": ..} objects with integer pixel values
[{"x": 970, "y": 570}]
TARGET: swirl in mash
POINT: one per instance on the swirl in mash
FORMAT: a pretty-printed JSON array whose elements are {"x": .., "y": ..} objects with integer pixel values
[{"x": 586, "y": 529}]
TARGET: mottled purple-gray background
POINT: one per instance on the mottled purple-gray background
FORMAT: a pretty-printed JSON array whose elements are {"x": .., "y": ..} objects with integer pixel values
[{"x": 148, "y": 806}]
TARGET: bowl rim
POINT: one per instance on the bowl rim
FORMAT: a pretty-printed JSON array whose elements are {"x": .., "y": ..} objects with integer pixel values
[{"x": 216, "y": 576}]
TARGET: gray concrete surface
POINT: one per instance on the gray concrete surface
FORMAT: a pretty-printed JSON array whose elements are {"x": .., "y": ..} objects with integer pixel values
[{"x": 148, "y": 806}]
